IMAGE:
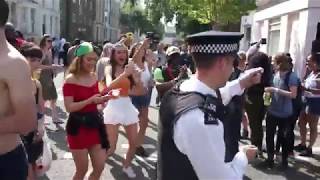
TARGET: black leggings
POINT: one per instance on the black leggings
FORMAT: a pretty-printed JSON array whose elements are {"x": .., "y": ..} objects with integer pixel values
[
  {"x": 283, "y": 124},
  {"x": 14, "y": 165},
  {"x": 291, "y": 136},
  {"x": 256, "y": 113}
]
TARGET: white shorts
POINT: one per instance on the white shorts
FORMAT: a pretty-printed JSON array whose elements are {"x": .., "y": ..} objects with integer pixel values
[{"x": 120, "y": 111}]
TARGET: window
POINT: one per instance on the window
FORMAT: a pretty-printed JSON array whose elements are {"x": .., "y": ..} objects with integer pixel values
[
  {"x": 106, "y": 5},
  {"x": 57, "y": 25},
  {"x": 274, "y": 36},
  {"x": 97, "y": 34},
  {"x": 33, "y": 19},
  {"x": 44, "y": 24},
  {"x": 248, "y": 34},
  {"x": 51, "y": 25},
  {"x": 24, "y": 16},
  {"x": 43, "y": 3},
  {"x": 74, "y": 16},
  {"x": 13, "y": 12},
  {"x": 80, "y": 8},
  {"x": 44, "y": 19},
  {"x": 91, "y": 5}
]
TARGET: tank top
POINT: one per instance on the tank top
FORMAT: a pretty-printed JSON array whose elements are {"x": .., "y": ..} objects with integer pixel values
[
  {"x": 310, "y": 82},
  {"x": 146, "y": 75},
  {"x": 124, "y": 86}
]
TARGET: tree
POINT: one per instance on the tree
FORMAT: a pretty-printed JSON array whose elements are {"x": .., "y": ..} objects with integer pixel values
[
  {"x": 135, "y": 19},
  {"x": 214, "y": 12},
  {"x": 187, "y": 25}
]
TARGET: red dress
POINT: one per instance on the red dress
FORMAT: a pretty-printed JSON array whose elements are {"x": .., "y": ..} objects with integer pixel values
[{"x": 86, "y": 137}]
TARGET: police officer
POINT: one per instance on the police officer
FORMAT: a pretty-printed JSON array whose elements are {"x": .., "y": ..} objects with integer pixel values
[{"x": 191, "y": 142}]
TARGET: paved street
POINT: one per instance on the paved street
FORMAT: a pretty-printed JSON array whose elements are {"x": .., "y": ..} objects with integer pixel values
[{"x": 63, "y": 167}]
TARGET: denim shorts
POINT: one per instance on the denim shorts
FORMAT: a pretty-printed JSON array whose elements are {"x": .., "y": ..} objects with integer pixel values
[
  {"x": 312, "y": 106},
  {"x": 142, "y": 101}
]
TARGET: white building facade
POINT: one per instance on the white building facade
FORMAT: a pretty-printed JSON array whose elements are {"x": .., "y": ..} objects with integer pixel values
[
  {"x": 288, "y": 26},
  {"x": 35, "y": 17},
  {"x": 112, "y": 18},
  {"x": 99, "y": 24},
  {"x": 246, "y": 29}
]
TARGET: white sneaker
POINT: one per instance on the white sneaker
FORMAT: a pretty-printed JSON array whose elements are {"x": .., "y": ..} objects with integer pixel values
[{"x": 129, "y": 172}]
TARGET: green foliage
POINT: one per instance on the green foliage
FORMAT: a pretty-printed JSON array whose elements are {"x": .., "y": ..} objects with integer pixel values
[
  {"x": 135, "y": 18},
  {"x": 186, "y": 25},
  {"x": 131, "y": 2},
  {"x": 160, "y": 8},
  {"x": 213, "y": 12}
]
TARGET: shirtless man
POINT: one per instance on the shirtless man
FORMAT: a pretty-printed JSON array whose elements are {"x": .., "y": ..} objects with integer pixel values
[{"x": 17, "y": 106}]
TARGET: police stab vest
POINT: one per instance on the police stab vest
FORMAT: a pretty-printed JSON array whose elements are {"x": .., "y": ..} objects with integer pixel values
[{"x": 172, "y": 164}]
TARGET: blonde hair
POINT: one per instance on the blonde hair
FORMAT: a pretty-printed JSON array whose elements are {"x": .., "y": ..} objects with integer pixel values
[{"x": 75, "y": 67}]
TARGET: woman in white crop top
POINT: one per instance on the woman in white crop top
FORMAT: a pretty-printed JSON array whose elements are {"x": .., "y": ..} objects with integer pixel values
[
  {"x": 312, "y": 112},
  {"x": 144, "y": 60}
]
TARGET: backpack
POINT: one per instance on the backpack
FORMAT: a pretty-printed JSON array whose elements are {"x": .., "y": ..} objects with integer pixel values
[{"x": 297, "y": 102}]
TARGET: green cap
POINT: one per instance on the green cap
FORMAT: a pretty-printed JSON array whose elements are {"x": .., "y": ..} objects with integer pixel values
[{"x": 83, "y": 49}]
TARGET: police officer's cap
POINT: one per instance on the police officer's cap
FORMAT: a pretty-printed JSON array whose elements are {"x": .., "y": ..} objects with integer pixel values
[{"x": 215, "y": 42}]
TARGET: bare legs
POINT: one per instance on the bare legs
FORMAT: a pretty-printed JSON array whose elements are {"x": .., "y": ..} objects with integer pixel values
[
  {"x": 112, "y": 131},
  {"x": 143, "y": 124},
  {"x": 80, "y": 157},
  {"x": 303, "y": 128},
  {"x": 131, "y": 131},
  {"x": 312, "y": 121},
  {"x": 54, "y": 111},
  {"x": 98, "y": 157},
  {"x": 81, "y": 160},
  {"x": 313, "y": 124}
]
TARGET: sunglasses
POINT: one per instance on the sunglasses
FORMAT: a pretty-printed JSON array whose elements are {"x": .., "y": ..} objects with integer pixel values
[{"x": 49, "y": 40}]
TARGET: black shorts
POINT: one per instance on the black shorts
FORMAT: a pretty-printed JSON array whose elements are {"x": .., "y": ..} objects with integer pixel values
[{"x": 14, "y": 165}]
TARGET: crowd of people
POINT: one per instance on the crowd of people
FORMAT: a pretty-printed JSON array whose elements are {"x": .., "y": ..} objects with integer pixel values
[{"x": 111, "y": 86}]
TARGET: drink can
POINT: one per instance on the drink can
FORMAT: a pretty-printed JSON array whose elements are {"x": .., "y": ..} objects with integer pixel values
[{"x": 267, "y": 98}]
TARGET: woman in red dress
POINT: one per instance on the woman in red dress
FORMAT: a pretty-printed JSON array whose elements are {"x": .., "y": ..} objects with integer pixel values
[{"x": 86, "y": 134}]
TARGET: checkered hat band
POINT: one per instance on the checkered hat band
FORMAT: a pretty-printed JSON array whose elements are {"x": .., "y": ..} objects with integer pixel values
[{"x": 214, "y": 48}]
